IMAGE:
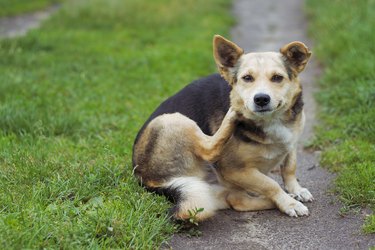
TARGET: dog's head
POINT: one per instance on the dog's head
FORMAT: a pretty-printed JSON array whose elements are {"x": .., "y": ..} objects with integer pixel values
[{"x": 263, "y": 84}]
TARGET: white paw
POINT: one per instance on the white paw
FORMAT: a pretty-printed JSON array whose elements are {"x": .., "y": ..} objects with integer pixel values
[
  {"x": 303, "y": 194},
  {"x": 297, "y": 209}
]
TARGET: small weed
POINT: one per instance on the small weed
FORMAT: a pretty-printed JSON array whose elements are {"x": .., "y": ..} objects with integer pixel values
[
  {"x": 190, "y": 226},
  {"x": 193, "y": 215}
]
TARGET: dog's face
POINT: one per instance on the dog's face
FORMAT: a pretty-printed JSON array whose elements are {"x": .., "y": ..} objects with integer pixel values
[{"x": 262, "y": 83}]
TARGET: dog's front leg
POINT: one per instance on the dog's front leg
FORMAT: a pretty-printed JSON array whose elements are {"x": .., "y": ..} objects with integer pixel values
[
  {"x": 288, "y": 172},
  {"x": 252, "y": 180},
  {"x": 210, "y": 147}
]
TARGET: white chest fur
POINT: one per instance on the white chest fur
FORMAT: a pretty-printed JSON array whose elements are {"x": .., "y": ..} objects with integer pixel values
[
  {"x": 279, "y": 133},
  {"x": 280, "y": 140}
]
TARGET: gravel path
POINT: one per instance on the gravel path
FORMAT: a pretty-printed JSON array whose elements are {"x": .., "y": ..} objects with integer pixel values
[
  {"x": 19, "y": 25},
  {"x": 265, "y": 25}
]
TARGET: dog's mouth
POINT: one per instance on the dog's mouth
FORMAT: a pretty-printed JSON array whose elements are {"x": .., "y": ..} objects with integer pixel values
[
  {"x": 267, "y": 109},
  {"x": 260, "y": 111}
]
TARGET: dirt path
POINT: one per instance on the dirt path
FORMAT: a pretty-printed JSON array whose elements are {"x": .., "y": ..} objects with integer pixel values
[
  {"x": 263, "y": 26},
  {"x": 18, "y": 25}
]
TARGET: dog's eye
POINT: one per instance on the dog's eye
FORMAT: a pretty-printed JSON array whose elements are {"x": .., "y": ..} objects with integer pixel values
[
  {"x": 277, "y": 78},
  {"x": 248, "y": 78}
]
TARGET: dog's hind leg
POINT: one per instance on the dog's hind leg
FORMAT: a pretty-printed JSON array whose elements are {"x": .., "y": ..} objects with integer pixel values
[
  {"x": 209, "y": 148},
  {"x": 241, "y": 201},
  {"x": 197, "y": 193},
  {"x": 175, "y": 162}
]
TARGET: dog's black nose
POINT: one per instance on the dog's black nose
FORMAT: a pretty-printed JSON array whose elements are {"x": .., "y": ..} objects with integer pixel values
[{"x": 262, "y": 99}]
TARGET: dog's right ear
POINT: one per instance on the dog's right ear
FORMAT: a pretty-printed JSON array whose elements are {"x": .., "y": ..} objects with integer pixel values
[{"x": 226, "y": 55}]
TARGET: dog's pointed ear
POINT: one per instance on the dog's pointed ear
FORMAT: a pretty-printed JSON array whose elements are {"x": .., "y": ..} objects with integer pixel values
[
  {"x": 296, "y": 54},
  {"x": 226, "y": 55}
]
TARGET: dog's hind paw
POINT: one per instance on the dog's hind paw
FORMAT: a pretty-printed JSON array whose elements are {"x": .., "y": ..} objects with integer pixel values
[
  {"x": 303, "y": 195},
  {"x": 297, "y": 209}
]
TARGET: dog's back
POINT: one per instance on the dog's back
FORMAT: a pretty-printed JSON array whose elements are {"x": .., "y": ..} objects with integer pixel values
[{"x": 199, "y": 101}]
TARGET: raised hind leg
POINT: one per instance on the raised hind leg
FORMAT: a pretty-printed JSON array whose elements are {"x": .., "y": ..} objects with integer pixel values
[
  {"x": 174, "y": 162},
  {"x": 209, "y": 148}
]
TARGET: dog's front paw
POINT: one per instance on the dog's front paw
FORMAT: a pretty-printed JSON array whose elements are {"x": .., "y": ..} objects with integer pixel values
[
  {"x": 302, "y": 194},
  {"x": 291, "y": 206},
  {"x": 297, "y": 209}
]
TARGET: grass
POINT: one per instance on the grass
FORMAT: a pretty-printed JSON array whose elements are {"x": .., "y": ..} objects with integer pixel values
[
  {"x": 73, "y": 95},
  {"x": 344, "y": 44},
  {"x": 14, "y": 7}
]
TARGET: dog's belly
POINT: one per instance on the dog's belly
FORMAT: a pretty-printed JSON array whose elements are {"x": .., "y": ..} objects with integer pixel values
[{"x": 264, "y": 157}]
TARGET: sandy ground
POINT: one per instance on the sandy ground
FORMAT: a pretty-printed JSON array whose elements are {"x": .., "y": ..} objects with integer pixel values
[
  {"x": 19, "y": 25},
  {"x": 266, "y": 25}
]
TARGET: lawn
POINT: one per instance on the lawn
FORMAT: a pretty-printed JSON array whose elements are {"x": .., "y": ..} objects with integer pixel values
[
  {"x": 14, "y": 7},
  {"x": 73, "y": 95},
  {"x": 344, "y": 44}
]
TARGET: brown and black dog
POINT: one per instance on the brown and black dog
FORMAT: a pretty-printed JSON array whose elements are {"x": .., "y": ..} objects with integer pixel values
[{"x": 236, "y": 128}]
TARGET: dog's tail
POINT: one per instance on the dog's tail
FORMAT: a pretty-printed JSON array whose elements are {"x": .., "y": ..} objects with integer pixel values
[{"x": 193, "y": 197}]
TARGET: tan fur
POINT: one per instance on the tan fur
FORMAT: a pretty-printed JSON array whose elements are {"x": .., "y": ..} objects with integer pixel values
[
  {"x": 241, "y": 201},
  {"x": 177, "y": 132},
  {"x": 246, "y": 164},
  {"x": 209, "y": 148},
  {"x": 173, "y": 147}
]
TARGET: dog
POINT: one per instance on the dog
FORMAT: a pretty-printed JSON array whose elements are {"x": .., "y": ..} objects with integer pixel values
[{"x": 211, "y": 145}]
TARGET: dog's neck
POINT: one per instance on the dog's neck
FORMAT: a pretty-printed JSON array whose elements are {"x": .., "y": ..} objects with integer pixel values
[
  {"x": 265, "y": 132},
  {"x": 248, "y": 131},
  {"x": 273, "y": 129}
]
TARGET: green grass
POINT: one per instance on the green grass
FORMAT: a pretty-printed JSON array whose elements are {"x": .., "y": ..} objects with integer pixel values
[
  {"x": 343, "y": 33},
  {"x": 73, "y": 95},
  {"x": 369, "y": 226},
  {"x": 14, "y": 7}
]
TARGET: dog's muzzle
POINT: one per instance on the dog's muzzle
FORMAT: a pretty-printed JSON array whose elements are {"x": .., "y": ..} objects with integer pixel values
[{"x": 262, "y": 102}]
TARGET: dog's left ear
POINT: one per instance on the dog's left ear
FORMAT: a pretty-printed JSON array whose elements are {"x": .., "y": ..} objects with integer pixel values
[
  {"x": 226, "y": 55},
  {"x": 297, "y": 54}
]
